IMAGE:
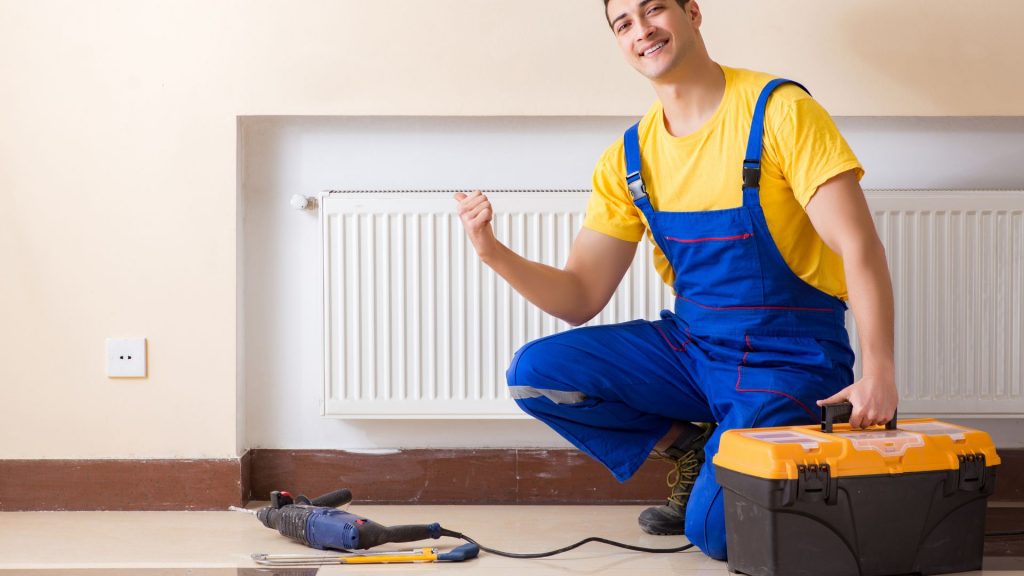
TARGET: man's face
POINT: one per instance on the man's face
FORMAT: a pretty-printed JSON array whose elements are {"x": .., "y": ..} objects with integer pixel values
[{"x": 654, "y": 35}]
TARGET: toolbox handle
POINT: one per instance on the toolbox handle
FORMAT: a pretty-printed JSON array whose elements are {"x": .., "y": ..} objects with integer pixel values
[{"x": 839, "y": 413}]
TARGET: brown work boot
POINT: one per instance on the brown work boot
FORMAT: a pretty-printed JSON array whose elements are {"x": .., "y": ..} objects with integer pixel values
[{"x": 686, "y": 455}]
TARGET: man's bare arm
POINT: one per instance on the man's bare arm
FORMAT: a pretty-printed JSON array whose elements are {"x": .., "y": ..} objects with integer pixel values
[
  {"x": 841, "y": 217},
  {"x": 597, "y": 263}
]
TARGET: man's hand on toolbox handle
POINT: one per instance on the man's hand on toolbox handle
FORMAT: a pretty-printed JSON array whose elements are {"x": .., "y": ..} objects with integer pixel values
[{"x": 874, "y": 400}]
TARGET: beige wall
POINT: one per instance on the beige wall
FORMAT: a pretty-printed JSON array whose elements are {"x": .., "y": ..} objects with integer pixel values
[{"x": 118, "y": 156}]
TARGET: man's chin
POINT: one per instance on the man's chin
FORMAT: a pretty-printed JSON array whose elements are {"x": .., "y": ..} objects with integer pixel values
[{"x": 655, "y": 74}]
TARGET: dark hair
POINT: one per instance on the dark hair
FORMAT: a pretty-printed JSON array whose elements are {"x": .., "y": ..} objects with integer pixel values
[{"x": 682, "y": 4}]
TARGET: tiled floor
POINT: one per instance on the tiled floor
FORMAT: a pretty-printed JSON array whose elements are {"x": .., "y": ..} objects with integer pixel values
[{"x": 220, "y": 543}]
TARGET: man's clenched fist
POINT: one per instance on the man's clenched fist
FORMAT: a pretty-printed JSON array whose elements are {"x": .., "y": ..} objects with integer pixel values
[{"x": 475, "y": 212}]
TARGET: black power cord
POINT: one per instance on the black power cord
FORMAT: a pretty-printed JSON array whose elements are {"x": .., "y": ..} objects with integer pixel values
[
  {"x": 459, "y": 535},
  {"x": 453, "y": 534},
  {"x": 445, "y": 532}
]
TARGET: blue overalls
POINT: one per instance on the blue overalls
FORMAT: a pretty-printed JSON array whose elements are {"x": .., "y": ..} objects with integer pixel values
[{"x": 750, "y": 345}]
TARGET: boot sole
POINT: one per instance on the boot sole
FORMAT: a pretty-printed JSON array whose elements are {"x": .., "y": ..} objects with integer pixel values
[{"x": 647, "y": 529}]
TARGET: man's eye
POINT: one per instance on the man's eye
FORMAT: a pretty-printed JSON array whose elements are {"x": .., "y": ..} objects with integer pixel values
[
  {"x": 653, "y": 10},
  {"x": 622, "y": 27}
]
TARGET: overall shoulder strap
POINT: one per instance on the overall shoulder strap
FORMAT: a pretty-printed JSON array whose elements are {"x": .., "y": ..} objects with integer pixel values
[
  {"x": 634, "y": 181},
  {"x": 755, "y": 142}
]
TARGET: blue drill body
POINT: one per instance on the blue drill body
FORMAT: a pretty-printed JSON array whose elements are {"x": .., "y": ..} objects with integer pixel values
[{"x": 319, "y": 524}]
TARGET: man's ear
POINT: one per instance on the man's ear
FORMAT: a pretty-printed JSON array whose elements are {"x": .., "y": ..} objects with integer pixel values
[{"x": 693, "y": 11}]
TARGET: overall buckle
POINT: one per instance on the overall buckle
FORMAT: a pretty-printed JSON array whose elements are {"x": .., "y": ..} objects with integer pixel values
[
  {"x": 751, "y": 175},
  {"x": 636, "y": 186}
]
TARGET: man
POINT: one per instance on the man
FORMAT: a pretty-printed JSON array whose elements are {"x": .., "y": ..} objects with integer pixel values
[{"x": 751, "y": 199}]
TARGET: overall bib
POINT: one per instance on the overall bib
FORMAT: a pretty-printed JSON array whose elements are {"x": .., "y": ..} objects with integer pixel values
[{"x": 750, "y": 345}]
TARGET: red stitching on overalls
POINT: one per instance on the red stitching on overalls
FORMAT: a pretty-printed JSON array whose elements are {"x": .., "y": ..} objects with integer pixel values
[
  {"x": 739, "y": 376},
  {"x": 684, "y": 241},
  {"x": 681, "y": 297},
  {"x": 669, "y": 342}
]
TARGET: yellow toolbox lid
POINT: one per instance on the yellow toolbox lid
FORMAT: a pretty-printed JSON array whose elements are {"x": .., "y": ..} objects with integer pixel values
[{"x": 921, "y": 445}]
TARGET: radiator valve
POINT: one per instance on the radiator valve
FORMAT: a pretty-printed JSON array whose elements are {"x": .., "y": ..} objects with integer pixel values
[{"x": 300, "y": 202}]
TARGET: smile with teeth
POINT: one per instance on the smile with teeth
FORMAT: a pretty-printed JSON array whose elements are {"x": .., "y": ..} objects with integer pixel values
[{"x": 653, "y": 49}]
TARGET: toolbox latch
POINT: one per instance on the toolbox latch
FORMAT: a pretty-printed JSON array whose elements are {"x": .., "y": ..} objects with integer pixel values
[
  {"x": 972, "y": 472},
  {"x": 814, "y": 482}
]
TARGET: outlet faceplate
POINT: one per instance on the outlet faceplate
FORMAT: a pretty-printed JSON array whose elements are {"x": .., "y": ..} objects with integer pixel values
[{"x": 126, "y": 357}]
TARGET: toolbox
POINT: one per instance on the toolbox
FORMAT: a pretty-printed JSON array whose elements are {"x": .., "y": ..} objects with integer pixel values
[{"x": 834, "y": 501}]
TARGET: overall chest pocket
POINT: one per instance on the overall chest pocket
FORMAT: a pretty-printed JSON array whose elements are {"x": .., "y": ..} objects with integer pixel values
[{"x": 715, "y": 257}]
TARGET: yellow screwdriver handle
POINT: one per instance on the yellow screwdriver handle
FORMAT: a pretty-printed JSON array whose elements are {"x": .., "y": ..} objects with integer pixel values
[{"x": 422, "y": 555}]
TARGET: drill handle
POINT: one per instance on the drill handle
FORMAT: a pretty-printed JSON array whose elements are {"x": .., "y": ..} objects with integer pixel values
[
  {"x": 333, "y": 499},
  {"x": 373, "y": 534}
]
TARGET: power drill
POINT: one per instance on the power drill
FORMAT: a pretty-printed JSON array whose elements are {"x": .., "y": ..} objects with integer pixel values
[{"x": 319, "y": 524}]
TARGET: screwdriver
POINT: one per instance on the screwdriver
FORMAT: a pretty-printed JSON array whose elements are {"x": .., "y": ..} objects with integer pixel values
[{"x": 459, "y": 554}]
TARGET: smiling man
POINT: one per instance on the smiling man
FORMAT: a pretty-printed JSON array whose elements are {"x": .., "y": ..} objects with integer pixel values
[{"x": 751, "y": 200}]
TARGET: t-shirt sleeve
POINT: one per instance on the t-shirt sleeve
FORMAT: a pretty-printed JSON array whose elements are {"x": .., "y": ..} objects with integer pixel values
[
  {"x": 610, "y": 209},
  {"x": 809, "y": 148}
]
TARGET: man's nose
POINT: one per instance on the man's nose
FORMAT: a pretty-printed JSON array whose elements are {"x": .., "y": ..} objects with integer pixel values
[{"x": 647, "y": 29}]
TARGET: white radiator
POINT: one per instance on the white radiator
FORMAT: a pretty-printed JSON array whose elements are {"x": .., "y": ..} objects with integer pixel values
[
  {"x": 416, "y": 327},
  {"x": 957, "y": 263}
]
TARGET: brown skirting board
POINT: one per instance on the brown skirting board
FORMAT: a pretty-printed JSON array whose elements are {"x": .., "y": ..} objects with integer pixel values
[
  {"x": 509, "y": 476},
  {"x": 493, "y": 476},
  {"x": 120, "y": 484}
]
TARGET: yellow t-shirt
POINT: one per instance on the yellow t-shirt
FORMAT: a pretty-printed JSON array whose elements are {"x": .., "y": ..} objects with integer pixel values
[{"x": 703, "y": 171}]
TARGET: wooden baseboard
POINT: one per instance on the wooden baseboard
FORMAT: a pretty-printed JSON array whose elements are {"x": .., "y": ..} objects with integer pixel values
[
  {"x": 495, "y": 476},
  {"x": 511, "y": 476},
  {"x": 1010, "y": 479},
  {"x": 501, "y": 476},
  {"x": 120, "y": 484}
]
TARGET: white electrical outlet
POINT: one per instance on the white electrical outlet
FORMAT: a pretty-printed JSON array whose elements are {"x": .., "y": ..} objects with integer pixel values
[{"x": 126, "y": 357}]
